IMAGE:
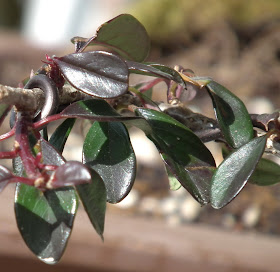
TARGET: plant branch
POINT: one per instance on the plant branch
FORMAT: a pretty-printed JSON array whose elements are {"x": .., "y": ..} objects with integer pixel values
[{"x": 31, "y": 100}]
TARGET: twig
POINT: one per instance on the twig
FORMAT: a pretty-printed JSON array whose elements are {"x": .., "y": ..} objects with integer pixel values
[{"x": 33, "y": 99}]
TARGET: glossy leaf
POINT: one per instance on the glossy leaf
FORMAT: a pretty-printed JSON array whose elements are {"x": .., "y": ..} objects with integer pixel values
[
  {"x": 147, "y": 70},
  {"x": 266, "y": 173},
  {"x": 232, "y": 115},
  {"x": 45, "y": 220},
  {"x": 234, "y": 172},
  {"x": 108, "y": 151},
  {"x": 96, "y": 73},
  {"x": 94, "y": 197},
  {"x": 124, "y": 34},
  {"x": 196, "y": 180},
  {"x": 173, "y": 182},
  {"x": 61, "y": 134},
  {"x": 94, "y": 109},
  {"x": 175, "y": 75},
  {"x": 186, "y": 156},
  {"x": 71, "y": 173}
]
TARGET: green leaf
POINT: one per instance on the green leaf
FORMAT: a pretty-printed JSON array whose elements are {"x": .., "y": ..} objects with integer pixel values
[
  {"x": 186, "y": 156},
  {"x": 173, "y": 182},
  {"x": 147, "y": 70},
  {"x": 177, "y": 140},
  {"x": 108, "y": 151},
  {"x": 124, "y": 34},
  {"x": 93, "y": 196},
  {"x": 266, "y": 173},
  {"x": 232, "y": 115},
  {"x": 196, "y": 180},
  {"x": 45, "y": 220},
  {"x": 94, "y": 109},
  {"x": 60, "y": 136},
  {"x": 175, "y": 75},
  {"x": 234, "y": 172}
]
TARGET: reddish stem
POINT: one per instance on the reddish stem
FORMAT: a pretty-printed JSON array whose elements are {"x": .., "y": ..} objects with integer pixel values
[
  {"x": 8, "y": 154},
  {"x": 8, "y": 134},
  {"x": 23, "y": 125},
  {"x": 40, "y": 124},
  {"x": 150, "y": 85},
  {"x": 24, "y": 180},
  {"x": 38, "y": 158},
  {"x": 37, "y": 126}
]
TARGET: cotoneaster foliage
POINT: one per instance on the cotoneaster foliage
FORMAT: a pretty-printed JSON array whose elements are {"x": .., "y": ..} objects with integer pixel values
[{"x": 49, "y": 187}]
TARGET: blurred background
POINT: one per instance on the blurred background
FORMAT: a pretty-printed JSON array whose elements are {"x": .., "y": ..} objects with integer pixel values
[{"x": 236, "y": 42}]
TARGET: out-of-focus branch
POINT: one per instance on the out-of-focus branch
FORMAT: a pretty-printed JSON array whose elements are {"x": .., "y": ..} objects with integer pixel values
[{"x": 33, "y": 99}]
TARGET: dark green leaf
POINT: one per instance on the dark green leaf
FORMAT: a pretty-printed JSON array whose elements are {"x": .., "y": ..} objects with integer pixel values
[
  {"x": 94, "y": 109},
  {"x": 175, "y": 75},
  {"x": 266, "y": 173},
  {"x": 96, "y": 73},
  {"x": 93, "y": 196},
  {"x": 60, "y": 136},
  {"x": 195, "y": 179},
  {"x": 107, "y": 150},
  {"x": 45, "y": 220},
  {"x": 187, "y": 158},
  {"x": 177, "y": 140},
  {"x": 234, "y": 172},
  {"x": 232, "y": 115},
  {"x": 124, "y": 34},
  {"x": 147, "y": 70},
  {"x": 173, "y": 182}
]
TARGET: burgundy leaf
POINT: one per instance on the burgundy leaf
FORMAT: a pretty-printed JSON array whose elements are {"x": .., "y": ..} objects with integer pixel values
[
  {"x": 50, "y": 154},
  {"x": 71, "y": 173},
  {"x": 96, "y": 73}
]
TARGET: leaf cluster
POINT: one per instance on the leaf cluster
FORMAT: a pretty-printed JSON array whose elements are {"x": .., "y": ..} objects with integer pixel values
[{"x": 49, "y": 187}]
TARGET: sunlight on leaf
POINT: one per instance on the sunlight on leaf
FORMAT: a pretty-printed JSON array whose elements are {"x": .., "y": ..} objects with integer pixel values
[
  {"x": 186, "y": 157},
  {"x": 234, "y": 172},
  {"x": 124, "y": 34},
  {"x": 95, "y": 73},
  {"x": 108, "y": 151},
  {"x": 232, "y": 115}
]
